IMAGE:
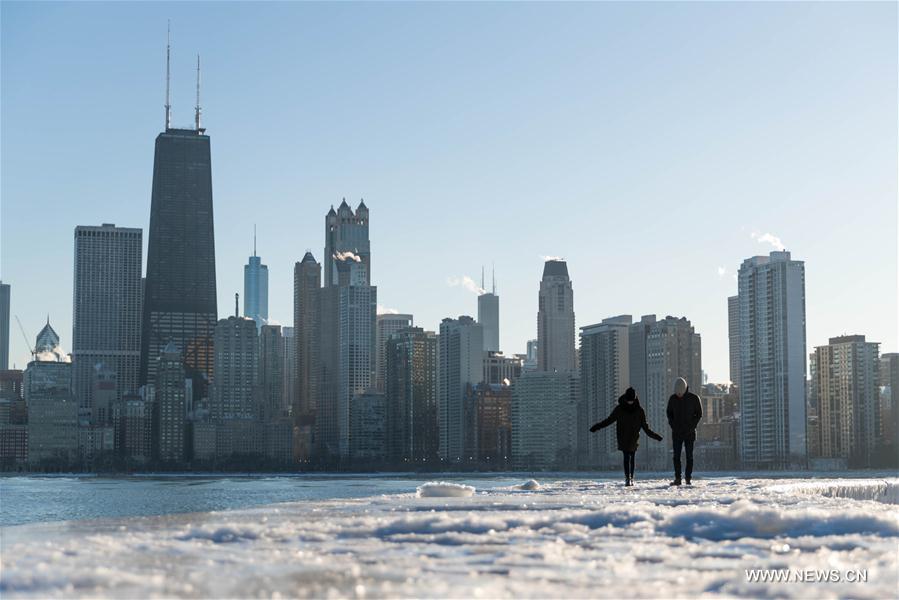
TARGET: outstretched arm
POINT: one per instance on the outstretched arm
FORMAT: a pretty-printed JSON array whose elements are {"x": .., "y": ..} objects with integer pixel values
[
  {"x": 607, "y": 421},
  {"x": 649, "y": 431}
]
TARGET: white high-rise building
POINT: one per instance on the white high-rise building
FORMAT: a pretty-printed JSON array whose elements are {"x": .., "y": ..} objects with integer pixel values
[
  {"x": 555, "y": 319},
  {"x": 848, "y": 398},
  {"x": 459, "y": 363},
  {"x": 106, "y": 307},
  {"x": 771, "y": 296},
  {"x": 356, "y": 314},
  {"x": 605, "y": 375}
]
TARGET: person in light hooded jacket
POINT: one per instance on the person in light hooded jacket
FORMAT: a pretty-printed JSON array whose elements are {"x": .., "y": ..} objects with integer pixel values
[
  {"x": 629, "y": 418},
  {"x": 684, "y": 413}
]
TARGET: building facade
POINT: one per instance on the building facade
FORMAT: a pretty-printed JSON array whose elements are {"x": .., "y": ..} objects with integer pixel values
[
  {"x": 460, "y": 363},
  {"x": 555, "y": 319},
  {"x": 368, "y": 443},
  {"x": 488, "y": 430},
  {"x": 346, "y": 233},
  {"x": 500, "y": 369},
  {"x": 235, "y": 391},
  {"x": 53, "y": 435},
  {"x": 348, "y": 320},
  {"x": 307, "y": 325},
  {"x": 544, "y": 417},
  {"x": 488, "y": 317},
  {"x": 605, "y": 375},
  {"x": 255, "y": 288},
  {"x": 53, "y": 412},
  {"x": 271, "y": 373},
  {"x": 771, "y": 295},
  {"x": 288, "y": 370},
  {"x": 169, "y": 397},
  {"x": 387, "y": 324},
  {"x": 179, "y": 290},
  {"x": 889, "y": 378},
  {"x": 411, "y": 390},
  {"x": 848, "y": 400},
  {"x": 660, "y": 351},
  {"x": 106, "y": 312},
  {"x": 5, "y": 300},
  {"x": 733, "y": 337}
]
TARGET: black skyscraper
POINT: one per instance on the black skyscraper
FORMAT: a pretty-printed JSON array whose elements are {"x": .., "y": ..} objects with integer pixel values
[{"x": 179, "y": 293}]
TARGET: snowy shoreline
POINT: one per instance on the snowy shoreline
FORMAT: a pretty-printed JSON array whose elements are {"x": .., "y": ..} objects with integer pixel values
[{"x": 568, "y": 538}]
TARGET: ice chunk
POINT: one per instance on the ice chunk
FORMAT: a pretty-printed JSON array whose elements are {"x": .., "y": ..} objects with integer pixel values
[
  {"x": 879, "y": 490},
  {"x": 530, "y": 484},
  {"x": 220, "y": 535},
  {"x": 444, "y": 489}
]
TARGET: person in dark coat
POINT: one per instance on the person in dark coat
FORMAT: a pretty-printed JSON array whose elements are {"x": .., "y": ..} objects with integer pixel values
[
  {"x": 684, "y": 413},
  {"x": 629, "y": 418}
]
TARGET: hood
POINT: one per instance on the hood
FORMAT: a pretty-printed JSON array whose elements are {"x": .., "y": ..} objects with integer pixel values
[{"x": 623, "y": 403}]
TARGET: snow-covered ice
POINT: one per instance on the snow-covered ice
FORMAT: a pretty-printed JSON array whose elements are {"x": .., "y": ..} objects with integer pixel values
[{"x": 568, "y": 538}]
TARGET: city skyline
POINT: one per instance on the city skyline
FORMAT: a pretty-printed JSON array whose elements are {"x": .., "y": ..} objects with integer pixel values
[{"x": 617, "y": 285}]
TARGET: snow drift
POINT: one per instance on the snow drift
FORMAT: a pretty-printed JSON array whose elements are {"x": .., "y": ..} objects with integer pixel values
[{"x": 443, "y": 489}]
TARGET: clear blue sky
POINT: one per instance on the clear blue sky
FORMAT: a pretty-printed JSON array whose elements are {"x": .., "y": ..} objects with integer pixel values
[{"x": 645, "y": 143}]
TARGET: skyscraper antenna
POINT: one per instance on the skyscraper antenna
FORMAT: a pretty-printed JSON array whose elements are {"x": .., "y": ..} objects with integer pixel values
[
  {"x": 168, "y": 75},
  {"x": 482, "y": 277},
  {"x": 236, "y": 310},
  {"x": 197, "y": 107},
  {"x": 254, "y": 239}
]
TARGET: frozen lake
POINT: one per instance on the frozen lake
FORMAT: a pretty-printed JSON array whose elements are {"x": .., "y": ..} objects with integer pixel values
[{"x": 376, "y": 537}]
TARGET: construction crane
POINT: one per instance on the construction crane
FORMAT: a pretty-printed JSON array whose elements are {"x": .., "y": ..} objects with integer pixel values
[{"x": 24, "y": 336}]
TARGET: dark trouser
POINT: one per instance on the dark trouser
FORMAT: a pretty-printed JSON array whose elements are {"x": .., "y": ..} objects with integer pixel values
[
  {"x": 628, "y": 464},
  {"x": 688, "y": 446}
]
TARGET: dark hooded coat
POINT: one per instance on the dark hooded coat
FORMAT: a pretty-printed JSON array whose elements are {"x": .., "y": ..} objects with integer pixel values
[
  {"x": 684, "y": 415},
  {"x": 629, "y": 419}
]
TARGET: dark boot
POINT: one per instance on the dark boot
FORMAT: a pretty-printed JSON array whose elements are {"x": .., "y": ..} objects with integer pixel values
[
  {"x": 688, "y": 481},
  {"x": 676, "y": 481}
]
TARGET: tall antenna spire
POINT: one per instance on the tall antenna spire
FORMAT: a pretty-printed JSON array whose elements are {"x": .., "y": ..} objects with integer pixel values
[
  {"x": 254, "y": 239},
  {"x": 236, "y": 310},
  {"x": 168, "y": 74},
  {"x": 197, "y": 107},
  {"x": 482, "y": 278}
]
